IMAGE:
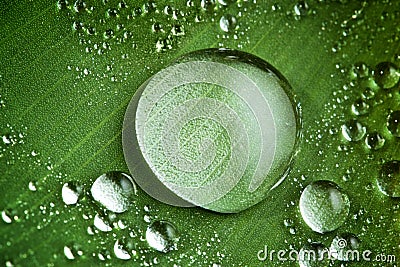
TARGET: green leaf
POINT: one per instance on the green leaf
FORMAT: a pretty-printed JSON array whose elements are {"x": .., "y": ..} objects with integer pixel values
[{"x": 69, "y": 70}]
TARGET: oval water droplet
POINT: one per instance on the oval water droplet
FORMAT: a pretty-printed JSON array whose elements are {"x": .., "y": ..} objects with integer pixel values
[
  {"x": 386, "y": 75},
  {"x": 114, "y": 190},
  {"x": 389, "y": 178},
  {"x": 393, "y": 123},
  {"x": 314, "y": 255},
  {"x": 235, "y": 131},
  {"x": 353, "y": 131},
  {"x": 228, "y": 23},
  {"x": 6, "y": 216},
  {"x": 343, "y": 247},
  {"x": 323, "y": 206},
  {"x": 162, "y": 236},
  {"x": 70, "y": 193}
]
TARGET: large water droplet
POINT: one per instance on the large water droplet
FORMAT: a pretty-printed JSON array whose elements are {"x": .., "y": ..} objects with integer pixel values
[
  {"x": 386, "y": 75},
  {"x": 323, "y": 206},
  {"x": 393, "y": 123},
  {"x": 344, "y": 247},
  {"x": 353, "y": 130},
  {"x": 162, "y": 236},
  {"x": 314, "y": 255},
  {"x": 235, "y": 131},
  {"x": 114, "y": 190},
  {"x": 389, "y": 178},
  {"x": 227, "y": 23},
  {"x": 70, "y": 193}
]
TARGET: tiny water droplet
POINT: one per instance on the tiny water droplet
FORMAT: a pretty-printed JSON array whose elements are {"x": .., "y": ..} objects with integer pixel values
[
  {"x": 353, "y": 130},
  {"x": 389, "y": 178},
  {"x": 208, "y": 5},
  {"x": 393, "y": 123},
  {"x": 323, "y": 206},
  {"x": 386, "y": 75},
  {"x": 228, "y": 23},
  {"x": 70, "y": 193},
  {"x": 79, "y": 6},
  {"x": 114, "y": 190},
  {"x": 162, "y": 236},
  {"x": 374, "y": 141}
]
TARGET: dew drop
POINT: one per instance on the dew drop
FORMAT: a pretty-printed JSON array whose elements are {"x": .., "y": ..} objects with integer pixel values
[
  {"x": 32, "y": 186},
  {"x": 343, "y": 246},
  {"x": 162, "y": 236},
  {"x": 208, "y": 5},
  {"x": 68, "y": 253},
  {"x": 79, "y": 6},
  {"x": 389, "y": 178},
  {"x": 374, "y": 141},
  {"x": 108, "y": 34},
  {"x": 360, "y": 107},
  {"x": 228, "y": 23},
  {"x": 359, "y": 70},
  {"x": 386, "y": 75},
  {"x": 301, "y": 8},
  {"x": 353, "y": 130},
  {"x": 101, "y": 223},
  {"x": 6, "y": 216},
  {"x": 393, "y": 123},
  {"x": 323, "y": 206},
  {"x": 70, "y": 193},
  {"x": 120, "y": 252},
  {"x": 114, "y": 191},
  {"x": 313, "y": 255}
]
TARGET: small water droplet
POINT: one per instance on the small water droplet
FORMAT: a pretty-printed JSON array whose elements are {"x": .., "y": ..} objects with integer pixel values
[
  {"x": 301, "y": 8},
  {"x": 386, "y": 75},
  {"x": 79, "y": 6},
  {"x": 374, "y": 141},
  {"x": 360, "y": 107},
  {"x": 359, "y": 70},
  {"x": 323, "y": 206},
  {"x": 393, "y": 123},
  {"x": 208, "y": 5},
  {"x": 62, "y": 4},
  {"x": 353, "y": 130},
  {"x": 108, "y": 34},
  {"x": 114, "y": 190},
  {"x": 162, "y": 236},
  {"x": 101, "y": 223},
  {"x": 314, "y": 255},
  {"x": 120, "y": 252},
  {"x": 389, "y": 178},
  {"x": 70, "y": 193},
  {"x": 343, "y": 246},
  {"x": 6, "y": 216},
  {"x": 32, "y": 186},
  {"x": 228, "y": 23}
]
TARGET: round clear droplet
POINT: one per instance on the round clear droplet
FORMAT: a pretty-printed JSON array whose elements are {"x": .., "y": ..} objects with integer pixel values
[
  {"x": 386, "y": 75},
  {"x": 314, "y": 255},
  {"x": 374, "y": 141},
  {"x": 344, "y": 247},
  {"x": 162, "y": 236},
  {"x": 393, "y": 123},
  {"x": 114, "y": 190},
  {"x": 389, "y": 178},
  {"x": 323, "y": 206},
  {"x": 353, "y": 130},
  {"x": 70, "y": 193}
]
